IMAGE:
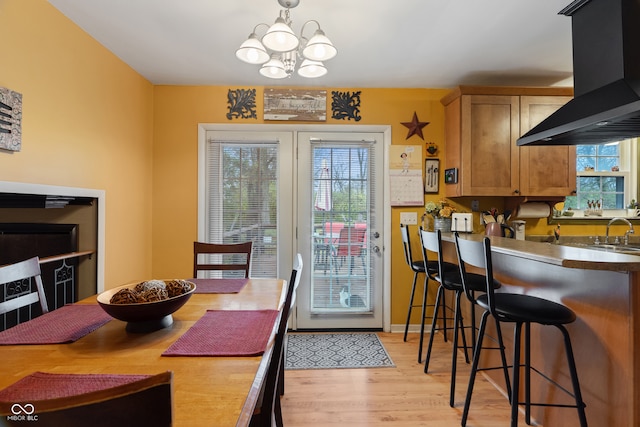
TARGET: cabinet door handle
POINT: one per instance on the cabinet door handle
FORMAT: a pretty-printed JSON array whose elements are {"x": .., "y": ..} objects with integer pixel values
[{"x": 516, "y": 191}]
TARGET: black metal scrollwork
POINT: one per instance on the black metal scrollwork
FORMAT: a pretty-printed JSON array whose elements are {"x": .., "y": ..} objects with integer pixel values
[
  {"x": 242, "y": 104},
  {"x": 345, "y": 105}
]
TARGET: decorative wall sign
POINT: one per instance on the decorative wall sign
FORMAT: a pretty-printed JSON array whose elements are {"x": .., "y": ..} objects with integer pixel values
[
  {"x": 432, "y": 175},
  {"x": 10, "y": 120},
  {"x": 415, "y": 126},
  {"x": 242, "y": 104},
  {"x": 345, "y": 105},
  {"x": 405, "y": 175},
  {"x": 432, "y": 149},
  {"x": 295, "y": 104}
]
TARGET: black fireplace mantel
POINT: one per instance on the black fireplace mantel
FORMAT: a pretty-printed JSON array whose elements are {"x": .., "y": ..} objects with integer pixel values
[{"x": 20, "y": 200}]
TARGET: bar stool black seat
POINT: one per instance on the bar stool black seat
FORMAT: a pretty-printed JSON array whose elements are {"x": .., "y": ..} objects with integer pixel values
[
  {"x": 520, "y": 310},
  {"x": 449, "y": 279}
]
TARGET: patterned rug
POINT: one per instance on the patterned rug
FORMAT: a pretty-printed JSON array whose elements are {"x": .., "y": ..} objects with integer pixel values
[{"x": 335, "y": 351}]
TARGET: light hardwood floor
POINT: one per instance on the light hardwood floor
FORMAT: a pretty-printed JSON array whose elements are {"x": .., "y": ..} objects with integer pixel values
[{"x": 400, "y": 396}]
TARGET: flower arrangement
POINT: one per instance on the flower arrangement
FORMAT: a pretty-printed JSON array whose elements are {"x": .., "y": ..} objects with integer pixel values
[
  {"x": 441, "y": 209},
  {"x": 633, "y": 204}
]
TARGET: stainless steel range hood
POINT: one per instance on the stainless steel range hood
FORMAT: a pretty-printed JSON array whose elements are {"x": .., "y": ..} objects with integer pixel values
[{"x": 606, "y": 77}]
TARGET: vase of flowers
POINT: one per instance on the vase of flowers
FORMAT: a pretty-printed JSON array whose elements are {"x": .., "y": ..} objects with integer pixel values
[{"x": 441, "y": 213}]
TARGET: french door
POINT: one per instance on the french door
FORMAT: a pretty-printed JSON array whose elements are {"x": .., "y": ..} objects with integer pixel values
[
  {"x": 340, "y": 217},
  {"x": 316, "y": 193}
]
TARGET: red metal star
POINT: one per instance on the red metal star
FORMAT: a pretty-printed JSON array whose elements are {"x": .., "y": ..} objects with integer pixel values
[{"x": 415, "y": 126}]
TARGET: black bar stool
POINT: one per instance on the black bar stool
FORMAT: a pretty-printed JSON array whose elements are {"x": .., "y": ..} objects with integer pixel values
[
  {"x": 418, "y": 267},
  {"x": 448, "y": 277},
  {"x": 520, "y": 310}
]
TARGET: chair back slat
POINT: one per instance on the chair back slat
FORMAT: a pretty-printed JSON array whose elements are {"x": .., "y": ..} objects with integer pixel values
[
  {"x": 472, "y": 252},
  {"x": 297, "y": 265},
  {"x": 432, "y": 242},
  {"x": 222, "y": 257},
  {"x": 28, "y": 269},
  {"x": 476, "y": 254},
  {"x": 406, "y": 244}
]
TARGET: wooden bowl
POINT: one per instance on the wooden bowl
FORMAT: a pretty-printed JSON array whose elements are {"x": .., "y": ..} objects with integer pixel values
[{"x": 146, "y": 316}]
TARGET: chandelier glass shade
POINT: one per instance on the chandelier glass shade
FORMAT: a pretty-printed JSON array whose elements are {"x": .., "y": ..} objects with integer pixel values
[{"x": 279, "y": 49}]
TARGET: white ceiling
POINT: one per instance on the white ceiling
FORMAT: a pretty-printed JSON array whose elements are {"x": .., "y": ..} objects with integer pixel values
[{"x": 392, "y": 43}]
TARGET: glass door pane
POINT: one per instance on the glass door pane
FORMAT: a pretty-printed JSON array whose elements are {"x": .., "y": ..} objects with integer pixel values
[
  {"x": 339, "y": 237},
  {"x": 340, "y": 215}
]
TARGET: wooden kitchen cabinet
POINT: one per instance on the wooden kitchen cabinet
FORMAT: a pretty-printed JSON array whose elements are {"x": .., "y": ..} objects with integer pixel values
[
  {"x": 482, "y": 125},
  {"x": 545, "y": 170}
]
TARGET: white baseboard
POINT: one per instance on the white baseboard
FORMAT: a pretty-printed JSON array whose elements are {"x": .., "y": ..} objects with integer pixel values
[{"x": 413, "y": 328}]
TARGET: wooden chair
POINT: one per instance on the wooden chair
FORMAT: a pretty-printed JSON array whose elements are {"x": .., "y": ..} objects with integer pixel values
[
  {"x": 141, "y": 402},
  {"x": 17, "y": 280},
  {"x": 268, "y": 410},
  {"x": 234, "y": 257}
]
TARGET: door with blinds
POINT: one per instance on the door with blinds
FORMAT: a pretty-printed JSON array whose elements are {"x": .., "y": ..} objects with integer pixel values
[
  {"x": 247, "y": 195},
  {"x": 340, "y": 223}
]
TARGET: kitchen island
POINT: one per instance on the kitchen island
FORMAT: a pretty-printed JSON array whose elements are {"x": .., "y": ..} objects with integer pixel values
[{"x": 603, "y": 290}]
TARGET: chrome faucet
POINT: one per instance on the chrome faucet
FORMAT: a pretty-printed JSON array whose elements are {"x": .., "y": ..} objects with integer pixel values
[{"x": 626, "y": 234}]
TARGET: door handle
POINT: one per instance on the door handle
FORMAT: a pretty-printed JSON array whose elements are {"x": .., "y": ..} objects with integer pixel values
[{"x": 375, "y": 249}]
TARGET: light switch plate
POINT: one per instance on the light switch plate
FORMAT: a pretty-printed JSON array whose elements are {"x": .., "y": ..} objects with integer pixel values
[{"x": 408, "y": 218}]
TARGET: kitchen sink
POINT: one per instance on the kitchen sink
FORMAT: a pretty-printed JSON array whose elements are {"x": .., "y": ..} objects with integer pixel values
[{"x": 607, "y": 247}]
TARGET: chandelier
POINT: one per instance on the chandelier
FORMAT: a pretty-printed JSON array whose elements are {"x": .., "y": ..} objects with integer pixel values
[{"x": 279, "y": 49}]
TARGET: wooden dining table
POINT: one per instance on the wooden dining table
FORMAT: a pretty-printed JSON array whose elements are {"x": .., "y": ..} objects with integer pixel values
[{"x": 207, "y": 391}]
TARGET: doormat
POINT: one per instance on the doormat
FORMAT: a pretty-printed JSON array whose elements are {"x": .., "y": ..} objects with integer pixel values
[{"x": 335, "y": 351}]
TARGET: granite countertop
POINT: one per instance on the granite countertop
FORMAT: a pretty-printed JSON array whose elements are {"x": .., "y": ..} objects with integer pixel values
[{"x": 558, "y": 254}]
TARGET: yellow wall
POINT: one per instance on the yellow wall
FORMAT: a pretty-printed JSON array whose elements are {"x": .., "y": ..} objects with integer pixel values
[
  {"x": 87, "y": 122},
  {"x": 177, "y": 112}
]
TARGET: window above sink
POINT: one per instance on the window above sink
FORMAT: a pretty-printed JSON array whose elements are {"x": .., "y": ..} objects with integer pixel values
[{"x": 606, "y": 180}]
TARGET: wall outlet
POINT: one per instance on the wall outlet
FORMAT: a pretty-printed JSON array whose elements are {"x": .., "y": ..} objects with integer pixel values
[
  {"x": 408, "y": 218},
  {"x": 475, "y": 206}
]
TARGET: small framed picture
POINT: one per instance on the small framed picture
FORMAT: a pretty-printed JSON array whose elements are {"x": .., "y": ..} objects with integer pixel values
[
  {"x": 432, "y": 175},
  {"x": 451, "y": 176}
]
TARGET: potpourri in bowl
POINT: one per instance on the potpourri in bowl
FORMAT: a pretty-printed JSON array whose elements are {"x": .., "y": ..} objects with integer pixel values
[{"x": 146, "y": 306}]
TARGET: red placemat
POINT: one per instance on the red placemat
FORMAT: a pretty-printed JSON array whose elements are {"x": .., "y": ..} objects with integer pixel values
[
  {"x": 218, "y": 286},
  {"x": 64, "y": 325},
  {"x": 226, "y": 333},
  {"x": 42, "y": 385}
]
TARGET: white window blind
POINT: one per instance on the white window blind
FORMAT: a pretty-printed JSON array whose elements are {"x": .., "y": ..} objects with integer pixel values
[{"x": 242, "y": 195}]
